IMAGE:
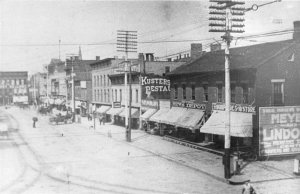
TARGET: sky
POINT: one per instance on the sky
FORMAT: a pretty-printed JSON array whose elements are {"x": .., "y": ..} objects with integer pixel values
[{"x": 30, "y": 30}]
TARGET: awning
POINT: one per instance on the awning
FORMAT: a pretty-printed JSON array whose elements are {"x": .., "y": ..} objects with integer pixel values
[
  {"x": 190, "y": 119},
  {"x": 173, "y": 115},
  {"x": 134, "y": 113},
  {"x": 156, "y": 117},
  {"x": 103, "y": 109},
  {"x": 148, "y": 114},
  {"x": 240, "y": 124},
  {"x": 115, "y": 111}
]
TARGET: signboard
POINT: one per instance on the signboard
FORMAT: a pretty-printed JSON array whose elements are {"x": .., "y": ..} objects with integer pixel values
[
  {"x": 83, "y": 84},
  {"x": 235, "y": 107},
  {"x": 150, "y": 103},
  {"x": 20, "y": 99},
  {"x": 279, "y": 130},
  {"x": 155, "y": 87},
  {"x": 117, "y": 104},
  {"x": 187, "y": 104}
]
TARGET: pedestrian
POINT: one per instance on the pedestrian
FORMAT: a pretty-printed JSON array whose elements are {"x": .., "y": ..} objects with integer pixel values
[
  {"x": 34, "y": 119},
  {"x": 248, "y": 188},
  {"x": 100, "y": 119}
]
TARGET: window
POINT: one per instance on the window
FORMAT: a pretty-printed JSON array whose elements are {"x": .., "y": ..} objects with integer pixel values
[
  {"x": 108, "y": 99},
  {"x": 232, "y": 88},
  {"x": 278, "y": 92},
  {"x": 98, "y": 95},
  {"x": 104, "y": 95},
  {"x": 95, "y": 95},
  {"x": 136, "y": 95},
  {"x": 95, "y": 82},
  {"x": 220, "y": 88},
  {"x": 205, "y": 94},
  {"x": 101, "y": 80},
  {"x": 193, "y": 92},
  {"x": 104, "y": 80},
  {"x": 183, "y": 91},
  {"x": 176, "y": 91},
  {"x": 167, "y": 69},
  {"x": 245, "y": 93},
  {"x": 120, "y": 95},
  {"x": 116, "y": 95}
]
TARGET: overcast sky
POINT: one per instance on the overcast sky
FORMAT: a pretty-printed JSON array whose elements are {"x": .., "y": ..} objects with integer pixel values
[{"x": 30, "y": 29}]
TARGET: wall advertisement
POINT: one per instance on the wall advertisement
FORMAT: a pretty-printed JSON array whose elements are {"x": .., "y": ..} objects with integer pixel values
[
  {"x": 279, "y": 130},
  {"x": 155, "y": 87}
]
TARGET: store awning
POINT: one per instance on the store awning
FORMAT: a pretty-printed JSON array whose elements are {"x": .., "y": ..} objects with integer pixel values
[
  {"x": 191, "y": 119},
  {"x": 173, "y": 115},
  {"x": 240, "y": 124},
  {"x": 156, "y": 117},
  {"x": 103, "y": 109},
  {"x": 148, "y": 114},
  {"x": 115, "y": 111},
  {"x": 135, "y": 113}
]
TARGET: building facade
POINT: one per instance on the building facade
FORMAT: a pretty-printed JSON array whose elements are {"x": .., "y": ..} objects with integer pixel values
[
  {"x": 263, "y": 75},
  {"x": 14, "y": 87}
]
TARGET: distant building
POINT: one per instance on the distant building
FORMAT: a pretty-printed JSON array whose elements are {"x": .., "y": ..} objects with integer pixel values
[
  {"x": 37, "y": 87},
  {"x": 13, "y": 87}
]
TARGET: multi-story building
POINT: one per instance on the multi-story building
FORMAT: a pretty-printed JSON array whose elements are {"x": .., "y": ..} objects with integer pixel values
[
  {"x": 82, "y": 83},
  {"x": 38, "y": 87},
  {"x": 108, "y": 83},
  {"x": 14, "y": 87},
  {"x": 262, "y": 75}
]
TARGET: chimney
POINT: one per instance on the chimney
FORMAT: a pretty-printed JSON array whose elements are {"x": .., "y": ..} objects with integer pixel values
[
  {"x": 215, "y": 47},
  {"x": 97, "y": 58},
  {"x": 196, "y": 50},
  {"x": 141, "y": 60},
  {"x": 296, "y": 35},
  {"x": 149, "y": 57}
]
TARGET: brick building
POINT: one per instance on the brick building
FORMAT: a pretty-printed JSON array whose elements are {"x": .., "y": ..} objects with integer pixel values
[{"x": 261, "y": 75}]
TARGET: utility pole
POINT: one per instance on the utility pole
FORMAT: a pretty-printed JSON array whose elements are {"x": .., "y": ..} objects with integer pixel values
[
  {"x": 224, "y": 19},
  {"x": 127, "y": 42}
]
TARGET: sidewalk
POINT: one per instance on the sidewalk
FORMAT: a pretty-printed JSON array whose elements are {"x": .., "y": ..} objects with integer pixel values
[{"x": 259, "y": 172}]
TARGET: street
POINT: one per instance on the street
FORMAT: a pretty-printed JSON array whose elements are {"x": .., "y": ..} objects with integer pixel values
[{"x": 73, "y": 159}]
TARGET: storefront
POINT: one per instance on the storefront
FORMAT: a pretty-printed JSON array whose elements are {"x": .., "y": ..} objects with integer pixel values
[
  {"x": 113, "y": 115},
  {"x": 102, "y": 110},
  {"x": 241, "y": 124},
  {"x": 135, "y": 113}
]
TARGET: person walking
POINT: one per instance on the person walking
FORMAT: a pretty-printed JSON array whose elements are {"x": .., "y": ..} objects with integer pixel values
[{"x": 248, "y": 188}]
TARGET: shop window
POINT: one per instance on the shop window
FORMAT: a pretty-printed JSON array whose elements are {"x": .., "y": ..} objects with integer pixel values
[
  {"x": 205, "y": 94},
  {"x": 245, "y": 93},
  {"x": 175, "y": 91},
  {"x": 220, "y": 92},
  {"x": 193, "y": 92},
  {"x": 232, "y": 88},
  {"x": 278, "y": 92},
  {"x": 183, "y": 91}
]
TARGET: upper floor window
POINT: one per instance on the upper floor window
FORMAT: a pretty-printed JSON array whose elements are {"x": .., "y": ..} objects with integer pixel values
[
  {"x": 278, "y": 92},
  {"x": 245, "y": 93},
  {"x": 220, "y": 92},
  {"x": 175, "y": 91},
  {"x": 232, "y": 88},
  {"x": 120, "y": 95},
  {"x": 116, "y": 95},
  {"x": 205, "y": 93},
  {"x": 100, "y": 80},
  {"x": 193, "y": 92},
  {"x": 183, "y": 91},
  {"x": 136, "y": 95},
  {"x": 104, "y": 80}
]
